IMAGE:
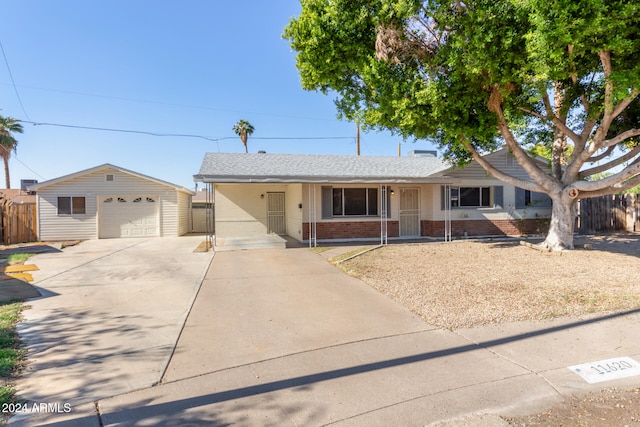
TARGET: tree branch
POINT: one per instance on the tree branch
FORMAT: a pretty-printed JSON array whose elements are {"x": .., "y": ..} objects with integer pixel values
[
  {"x": 609, "y": 182},
  {"x": 584, "y": 136},
  {"x": 521, "y": 156},
  {"x": 533, "y": 113},
  {"x": 620, "y": 138},
  {"x": 599, "y": 157},
  {"x": 496, "y": 173},
  {"x": 551, "y": 116},
  {"x": 617, "y": 188},
  {"x": 611, "y": 164}
]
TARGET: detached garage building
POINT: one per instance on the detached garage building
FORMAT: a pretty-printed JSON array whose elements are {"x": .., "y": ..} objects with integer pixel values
[{"x": 109, "y": 201}]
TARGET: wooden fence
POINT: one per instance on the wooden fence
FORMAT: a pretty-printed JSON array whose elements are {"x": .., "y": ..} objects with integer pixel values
[
  {"x": 19, "y": 224},
  {"x": 616, "y": 212}
]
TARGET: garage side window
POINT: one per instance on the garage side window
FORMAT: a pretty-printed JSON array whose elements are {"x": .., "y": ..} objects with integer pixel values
[{"x": 71, "y": 206}]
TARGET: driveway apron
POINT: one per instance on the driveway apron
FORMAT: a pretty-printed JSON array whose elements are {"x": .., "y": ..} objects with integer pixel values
[
  {"x": 267, "y": 303},
  {"x": 109, "y": 318}
]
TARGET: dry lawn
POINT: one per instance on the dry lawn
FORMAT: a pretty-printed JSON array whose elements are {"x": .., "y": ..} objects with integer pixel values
[{"x": 471, "y": 283}]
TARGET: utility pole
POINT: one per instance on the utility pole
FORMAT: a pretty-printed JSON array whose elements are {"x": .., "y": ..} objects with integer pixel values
[{"x": 358, "y": 138}]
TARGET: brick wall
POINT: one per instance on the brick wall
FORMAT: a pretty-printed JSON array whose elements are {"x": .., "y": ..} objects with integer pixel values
[
  {"x": 371, "y": 229},
  {"x": 505, "y": 227},
  {"x": 350, "y": 230}
]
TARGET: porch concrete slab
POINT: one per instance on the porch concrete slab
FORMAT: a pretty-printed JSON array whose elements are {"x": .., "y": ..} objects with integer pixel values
[
  {"x": 110, "y": 318},
  {"x": 260, "y": 304},
  {"x": 266, "y": 241}
]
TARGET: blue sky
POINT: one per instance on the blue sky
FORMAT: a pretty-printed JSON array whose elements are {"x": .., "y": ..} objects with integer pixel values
[{"x": 191, "y": 67}]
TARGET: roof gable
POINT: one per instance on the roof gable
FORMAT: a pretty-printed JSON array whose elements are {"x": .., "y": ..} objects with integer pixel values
[
  {"x": 106, "y": 167},
  {"x": 259, "y": 167},
  {"x": 501, "y": 159}
]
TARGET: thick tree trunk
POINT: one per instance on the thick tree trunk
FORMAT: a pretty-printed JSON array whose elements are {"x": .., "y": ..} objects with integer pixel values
[
  {"x": 7, "y": 177},
  {"x": 563, "y": 217}
]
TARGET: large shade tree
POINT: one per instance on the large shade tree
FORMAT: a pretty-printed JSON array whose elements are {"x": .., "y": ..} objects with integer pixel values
[
  {"x": 243, "y": 129},
  {"x": 8, "y": 143},
  {"x": 476, "y": 75}
]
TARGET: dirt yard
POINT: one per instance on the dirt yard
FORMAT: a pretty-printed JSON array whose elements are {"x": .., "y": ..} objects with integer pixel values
[
  {"x": 471, "y": 283},
  {"x": 463, "y": 284}
]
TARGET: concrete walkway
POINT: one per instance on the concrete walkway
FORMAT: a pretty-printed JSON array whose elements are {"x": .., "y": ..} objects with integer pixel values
[{"x": 281, "y": 337}]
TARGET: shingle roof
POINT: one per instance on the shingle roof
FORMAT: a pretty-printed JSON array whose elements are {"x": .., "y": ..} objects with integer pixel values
[{"x": 260, "y": 167}]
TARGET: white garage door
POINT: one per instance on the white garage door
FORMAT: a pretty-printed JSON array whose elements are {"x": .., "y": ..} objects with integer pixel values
[{"x": 129, "y": 216}]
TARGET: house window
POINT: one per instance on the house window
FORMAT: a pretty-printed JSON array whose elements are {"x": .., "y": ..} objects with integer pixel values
[
  {"x": 470, "y": 197},
  {"x": 71, "y": 206},
  {"x": 473, "y": 197},
  {"x": 349, "y": 202},
  {"x": 109, "y": 177},
  {"x": 527, "y": 198}
]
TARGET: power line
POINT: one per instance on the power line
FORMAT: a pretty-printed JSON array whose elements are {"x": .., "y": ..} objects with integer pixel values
[
  {"x": 169, "y": 104},
  {"x": 15, "y": 156},
  {"x": 179, "y": 135},
  {"x": 13, "y": 82}
]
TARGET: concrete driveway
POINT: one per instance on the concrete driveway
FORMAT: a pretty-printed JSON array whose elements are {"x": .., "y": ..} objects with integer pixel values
[{"x": 110, "y": 317}]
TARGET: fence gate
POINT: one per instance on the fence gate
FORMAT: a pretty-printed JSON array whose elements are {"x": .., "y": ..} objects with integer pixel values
[
  {"x": 18, "y": 223},
  {"x": 616, "y": 212}
]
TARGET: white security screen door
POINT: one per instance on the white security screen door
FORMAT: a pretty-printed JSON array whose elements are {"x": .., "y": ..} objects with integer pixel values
[
  {"x": 409, "y": 212},
  {"x": 276, "y": 222}
]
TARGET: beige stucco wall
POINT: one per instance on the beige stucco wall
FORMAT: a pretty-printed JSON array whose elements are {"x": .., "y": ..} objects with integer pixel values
[{"x": 241, "y": 209}]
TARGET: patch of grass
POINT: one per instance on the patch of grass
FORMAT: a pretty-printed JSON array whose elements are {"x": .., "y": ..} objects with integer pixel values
[
  {"x": 18, "y": 258},
  {"x": 11, "y": 354},
  {"x": 320, "y": 249},
  {"x": 351, "y": 254}
]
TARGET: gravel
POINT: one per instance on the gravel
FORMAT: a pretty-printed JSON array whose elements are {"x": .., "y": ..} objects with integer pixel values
[{"x": 464, "y": 284}]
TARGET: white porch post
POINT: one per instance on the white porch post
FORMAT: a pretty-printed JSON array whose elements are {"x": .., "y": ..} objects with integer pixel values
[
  {"x": 312, "y": 215},
  {"x": 210, "y": 199},
  {"x": 384, "y": 208},
  {"x": 447, "y": 213}
]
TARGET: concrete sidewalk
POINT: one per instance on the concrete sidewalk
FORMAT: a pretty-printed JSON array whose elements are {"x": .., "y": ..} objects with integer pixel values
[{"x": 281, "y": 337}]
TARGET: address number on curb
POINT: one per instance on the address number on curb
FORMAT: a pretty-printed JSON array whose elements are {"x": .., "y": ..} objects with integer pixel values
[{"x": 606, "y": 370}]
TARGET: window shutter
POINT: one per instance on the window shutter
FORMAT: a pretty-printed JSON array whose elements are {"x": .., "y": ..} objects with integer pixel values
[
  {"x": 388, "y": 202},
  {"x": 327, "y": 202},
  {"x": 520, "y": 201},
  {"x": 498, "y": 196},
  {"x": 442, "y": 197}
]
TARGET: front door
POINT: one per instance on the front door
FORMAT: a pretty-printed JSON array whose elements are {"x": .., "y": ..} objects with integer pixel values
[
  {"x": 276, "y": 223},
  {"x": 409, "y": 212}
]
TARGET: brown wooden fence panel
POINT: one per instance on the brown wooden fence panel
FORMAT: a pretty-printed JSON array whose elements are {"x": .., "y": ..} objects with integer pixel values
[
  {"x": 616, "y": 212},
  {"x": 19, "y": 224}
]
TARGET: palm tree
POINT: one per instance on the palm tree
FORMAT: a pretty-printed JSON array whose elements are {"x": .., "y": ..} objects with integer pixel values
[
  {"x": 8, "y": 125},
  {"x": 243, "y": 129}
]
